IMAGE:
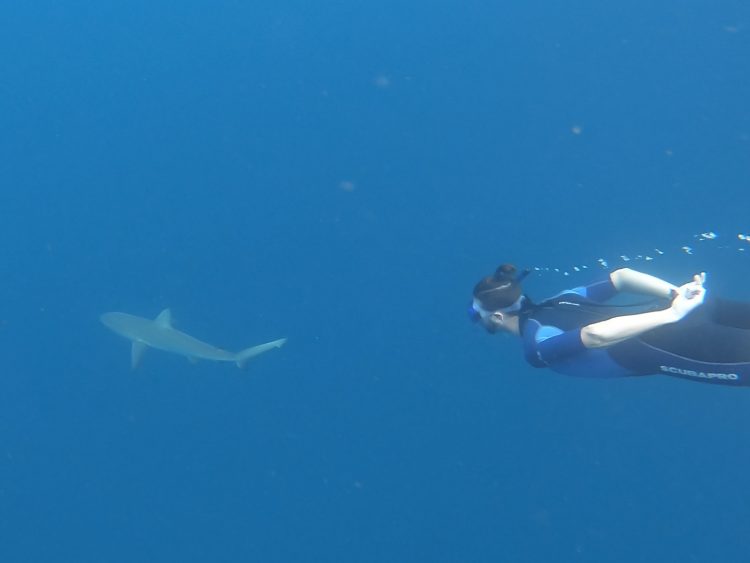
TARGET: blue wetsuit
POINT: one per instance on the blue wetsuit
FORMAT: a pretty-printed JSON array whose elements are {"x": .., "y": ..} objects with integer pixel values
[{"x": 711, "y": 344}]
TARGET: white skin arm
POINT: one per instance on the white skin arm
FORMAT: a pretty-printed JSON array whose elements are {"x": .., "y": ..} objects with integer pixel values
[
  {"x": 633, "y": 281},
  {"x": 617, "y": 329}
]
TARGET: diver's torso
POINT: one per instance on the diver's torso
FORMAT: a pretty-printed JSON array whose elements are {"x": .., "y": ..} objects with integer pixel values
[{"x": 695, "y": 348}]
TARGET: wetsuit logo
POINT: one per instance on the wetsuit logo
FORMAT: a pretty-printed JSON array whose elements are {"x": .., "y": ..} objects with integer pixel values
[{"x": 701, "y": 374}]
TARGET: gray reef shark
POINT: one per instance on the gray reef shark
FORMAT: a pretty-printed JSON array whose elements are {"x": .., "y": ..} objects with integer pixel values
[{"x": 159, "y": 334}]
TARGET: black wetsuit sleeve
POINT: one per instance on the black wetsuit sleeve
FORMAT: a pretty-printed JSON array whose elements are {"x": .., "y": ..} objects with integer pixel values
[
  {"x": 556, "y": 348},
  {"x": 601, "y": 290}
]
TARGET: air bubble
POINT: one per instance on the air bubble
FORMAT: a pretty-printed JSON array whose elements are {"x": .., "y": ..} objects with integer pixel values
[{"x": 705, "y": 239}]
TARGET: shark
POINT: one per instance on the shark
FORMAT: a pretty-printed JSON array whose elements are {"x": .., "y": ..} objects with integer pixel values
[{"x": 160, "y": 334}]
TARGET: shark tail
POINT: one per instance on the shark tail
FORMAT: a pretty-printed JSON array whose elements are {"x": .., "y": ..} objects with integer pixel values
[{"x": 243, "y": 356}]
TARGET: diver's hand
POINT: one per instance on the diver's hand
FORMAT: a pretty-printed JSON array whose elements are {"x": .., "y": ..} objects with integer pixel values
[
  {"x": 689, "y": 296},
  {"x": 694, "y": 287}
]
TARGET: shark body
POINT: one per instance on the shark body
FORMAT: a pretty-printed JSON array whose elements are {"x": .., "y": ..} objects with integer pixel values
[{"x": 159, "y": 333}]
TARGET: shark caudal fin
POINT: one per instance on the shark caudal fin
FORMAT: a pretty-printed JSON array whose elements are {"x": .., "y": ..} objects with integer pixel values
[{"x": 243, "y": 356}]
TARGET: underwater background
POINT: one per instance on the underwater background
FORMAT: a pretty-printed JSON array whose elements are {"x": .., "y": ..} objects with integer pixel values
[{"x": 341, "y": 174}]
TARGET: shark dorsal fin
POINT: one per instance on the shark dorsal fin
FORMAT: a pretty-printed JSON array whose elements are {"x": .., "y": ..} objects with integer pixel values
[{"x": 164, "y": 320}]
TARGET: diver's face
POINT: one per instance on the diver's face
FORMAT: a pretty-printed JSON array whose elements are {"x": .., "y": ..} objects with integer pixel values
[
  {"x": 495, "y": 321},
  {"x": 501, "y": 322}
]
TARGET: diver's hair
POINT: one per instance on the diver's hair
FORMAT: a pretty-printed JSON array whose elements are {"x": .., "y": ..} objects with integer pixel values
[{"x": 499, "y": 290}]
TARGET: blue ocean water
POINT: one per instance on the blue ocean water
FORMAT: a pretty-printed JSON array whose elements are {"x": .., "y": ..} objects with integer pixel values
[{"x": 341, "y": 174}]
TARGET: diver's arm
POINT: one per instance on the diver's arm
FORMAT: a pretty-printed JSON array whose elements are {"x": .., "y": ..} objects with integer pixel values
[
  {"x": 625, "y": 279},
  {"x": 609, "y": 332},
  {"x": 614, "y": 330}
]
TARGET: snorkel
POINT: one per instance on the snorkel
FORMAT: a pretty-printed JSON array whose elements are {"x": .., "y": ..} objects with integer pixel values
[{"x": 522, "y": 275}]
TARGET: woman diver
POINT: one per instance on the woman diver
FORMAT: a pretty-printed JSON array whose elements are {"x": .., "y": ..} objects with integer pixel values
[{"x": 679, "y": 333}]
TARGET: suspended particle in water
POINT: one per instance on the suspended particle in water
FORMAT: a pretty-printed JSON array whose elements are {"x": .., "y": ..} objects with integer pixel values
[{"x": 382, "y": 81}]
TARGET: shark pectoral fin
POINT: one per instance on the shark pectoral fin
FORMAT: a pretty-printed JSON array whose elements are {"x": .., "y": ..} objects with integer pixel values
[
  {"x": 136, "y": 353},
  {"x": 164, "y": 320},
  {"x": 247, "y": 353}
]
